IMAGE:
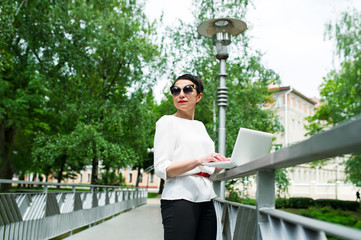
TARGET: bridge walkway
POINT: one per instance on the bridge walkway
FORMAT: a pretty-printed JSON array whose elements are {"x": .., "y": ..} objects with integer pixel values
[{"x": 140, "y": 223}]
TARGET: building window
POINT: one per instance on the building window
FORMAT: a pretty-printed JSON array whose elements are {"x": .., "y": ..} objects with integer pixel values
[
  {"x": 278, "y": 101},
  {"x": 151, "y": 177},
  {"x": 130, "y": 177}
]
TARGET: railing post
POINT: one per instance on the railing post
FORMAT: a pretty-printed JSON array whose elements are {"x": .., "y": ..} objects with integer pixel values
[
  {"x": 265, "y": 196},
  {"x": 106, "y": 196}
]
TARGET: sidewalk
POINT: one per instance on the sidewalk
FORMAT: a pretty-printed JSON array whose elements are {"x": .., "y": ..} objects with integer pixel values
[{"x": 144, "y": 222}]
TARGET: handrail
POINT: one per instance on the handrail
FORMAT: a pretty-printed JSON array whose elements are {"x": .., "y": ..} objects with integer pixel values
[
  {"x": 59, "y": 184},
  {"x": 342, "y": 139},
  {"x": 239, "y": 221},
  {"x": 235, "y": 204},
  {"x": 44, "y": 214}
]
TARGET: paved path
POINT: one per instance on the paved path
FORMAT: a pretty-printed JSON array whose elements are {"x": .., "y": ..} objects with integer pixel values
[{"x": 140, "y": 223}]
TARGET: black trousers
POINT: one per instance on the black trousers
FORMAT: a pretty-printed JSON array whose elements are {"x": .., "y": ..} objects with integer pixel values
[{"x": 185, "y": 220}]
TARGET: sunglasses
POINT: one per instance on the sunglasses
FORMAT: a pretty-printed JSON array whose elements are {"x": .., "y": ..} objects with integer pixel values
[{"x": 188, "y": 89}]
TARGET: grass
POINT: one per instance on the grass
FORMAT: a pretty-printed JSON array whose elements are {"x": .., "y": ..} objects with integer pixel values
[
  {"x": 153, "y": 195},
  {"x": 65, "y": 235},
  {"x": 327, "y": 214}
]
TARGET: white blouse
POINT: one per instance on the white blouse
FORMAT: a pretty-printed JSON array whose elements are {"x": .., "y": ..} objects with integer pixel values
[{"x": 178, "y": 139}]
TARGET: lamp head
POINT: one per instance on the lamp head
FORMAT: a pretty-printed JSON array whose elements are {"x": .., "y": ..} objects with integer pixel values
[
  {"x": 221, "y": 31},
  {"x": 221, "y": 25}
]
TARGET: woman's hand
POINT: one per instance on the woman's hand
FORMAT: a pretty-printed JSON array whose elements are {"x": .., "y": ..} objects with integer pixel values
[
  {"x": 214, "y": 157},
  {"x": 178, "y": 168}
]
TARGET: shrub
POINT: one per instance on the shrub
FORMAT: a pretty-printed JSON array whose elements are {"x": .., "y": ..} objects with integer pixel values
[
  {"x": 236, "y": 198},
  {"x": 282, "y": 203},
  {"x": 335, "y": 204},
  {"x": 233, "y": 197},
  {"x": 300, "y": 202}
]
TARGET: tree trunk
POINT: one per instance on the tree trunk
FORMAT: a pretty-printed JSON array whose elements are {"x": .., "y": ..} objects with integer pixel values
[
  {"x": 47, "y": 174},
  {"x": 7, "y": 136},
  {"x": 95, "y": 166},
  {"x": 60, "y": 174},
  {"x": 138, "y": 178},
  {"x": 21, "y": 178}
]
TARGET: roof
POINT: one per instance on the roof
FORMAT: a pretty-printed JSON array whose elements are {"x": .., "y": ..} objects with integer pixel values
[{"x": 294, "y": 91}]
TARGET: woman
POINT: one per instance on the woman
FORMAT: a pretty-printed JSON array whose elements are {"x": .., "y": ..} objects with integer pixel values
[{"x": 181, "y": 146}]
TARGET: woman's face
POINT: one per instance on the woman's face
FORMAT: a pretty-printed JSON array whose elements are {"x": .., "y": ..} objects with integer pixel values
[{"x": 186, "y": 101}]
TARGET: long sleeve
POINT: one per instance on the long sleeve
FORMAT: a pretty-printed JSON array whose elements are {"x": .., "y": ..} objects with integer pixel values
[{"x": 164, "y": 144}]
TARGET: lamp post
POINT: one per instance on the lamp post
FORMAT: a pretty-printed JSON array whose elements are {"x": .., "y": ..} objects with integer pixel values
[{"x": 221, "y": 31}]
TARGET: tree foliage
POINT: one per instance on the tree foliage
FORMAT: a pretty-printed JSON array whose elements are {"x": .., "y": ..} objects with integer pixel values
[
  {"x": 341, "y": 88},
  {"x": 72, "y": 75},
  {"x": 21, "y": 91}
]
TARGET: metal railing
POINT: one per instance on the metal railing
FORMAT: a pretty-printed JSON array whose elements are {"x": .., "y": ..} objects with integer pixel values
[
  {"x": 263, "y": 221},
  {"x": 47, "y": 214}
]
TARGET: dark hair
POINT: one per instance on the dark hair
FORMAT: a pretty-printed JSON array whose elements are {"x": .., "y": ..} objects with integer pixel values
[{"x": 194, "y": 79}]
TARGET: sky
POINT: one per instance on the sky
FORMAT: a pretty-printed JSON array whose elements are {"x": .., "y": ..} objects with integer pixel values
[{"x": 290, "y": 33}]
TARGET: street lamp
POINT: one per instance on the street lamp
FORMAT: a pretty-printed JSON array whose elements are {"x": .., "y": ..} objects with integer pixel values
[{"x": 221, "y": 31}]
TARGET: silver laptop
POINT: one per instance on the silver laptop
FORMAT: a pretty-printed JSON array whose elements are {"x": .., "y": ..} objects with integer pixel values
[{"x": 250, "y": 145}]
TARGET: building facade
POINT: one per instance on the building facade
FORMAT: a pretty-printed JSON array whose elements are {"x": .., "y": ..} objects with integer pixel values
[
  {"x": 292, "y": 108},
  {"x": 306, "y": 180},
  {"x": 147, "y": 180}
]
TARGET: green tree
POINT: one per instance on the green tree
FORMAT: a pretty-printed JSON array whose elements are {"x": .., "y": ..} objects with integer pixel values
[
  {"x": 68, "y": 66},
  {"x": 21, "y": 91},
  {"x": 121, "y": 53},
  {"x": 341, "y": 88}
]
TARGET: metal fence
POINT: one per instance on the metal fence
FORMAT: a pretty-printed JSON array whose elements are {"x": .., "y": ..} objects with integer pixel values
[
  {"x": 263, "y": 221},
  {"x": 47, "y": 214}
]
